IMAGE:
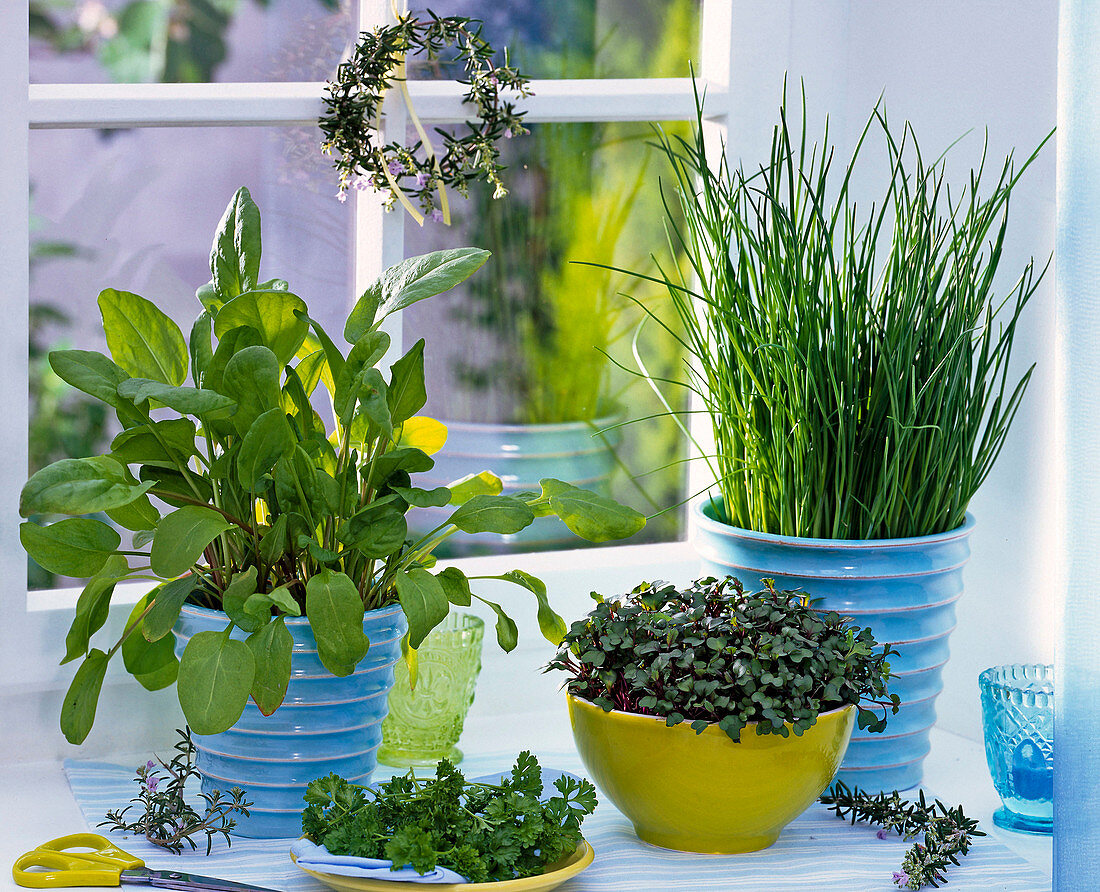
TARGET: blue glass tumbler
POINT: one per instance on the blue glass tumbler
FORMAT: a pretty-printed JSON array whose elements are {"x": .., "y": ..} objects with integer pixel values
[{"x": 1018, "y": 721}]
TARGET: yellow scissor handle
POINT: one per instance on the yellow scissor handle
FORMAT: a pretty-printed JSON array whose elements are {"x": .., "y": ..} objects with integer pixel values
[{"x": 102, "y": 866}]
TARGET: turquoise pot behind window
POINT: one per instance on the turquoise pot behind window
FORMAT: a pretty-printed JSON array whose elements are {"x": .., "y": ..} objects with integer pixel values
[
  {"x": 904, "y": 589},
  {"x": 325, "y": 724}
]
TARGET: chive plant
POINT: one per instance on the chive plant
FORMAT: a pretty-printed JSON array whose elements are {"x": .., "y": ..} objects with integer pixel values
[{"x": 855, "y": 363}]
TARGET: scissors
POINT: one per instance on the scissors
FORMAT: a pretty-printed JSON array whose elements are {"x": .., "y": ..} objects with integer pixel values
[{"x": 106, "y": 865}]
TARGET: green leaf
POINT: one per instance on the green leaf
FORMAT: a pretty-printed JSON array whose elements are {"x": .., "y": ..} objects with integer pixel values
[
  {"x": 208, "y": 297},
  {"x": 423, "y": 600},
  {"x": 273, "y": 314},
  {"x": 142, "y": 339},
  {"x": 138, "y": 515},
  {"x": 492, "y": 514},
  {"x": 215, "y": 676},
  {"x": 507, "y": 633},
  {"x": 369, "y": 349},
  {"x": 484, "y": 483},
  {"x": 267, "y": 440},
  {"x": 92, "y": 607},
  {"x": 164, "y": 481},
  {"x": 551, "y": 625},
  {"x": 229, "y": 345},
  {"x": 416, "y": 278},
  {"x": 316, "y": 551},
  {"x": 199, "y": 343},
  {"x": 424, "y": 498},
  {"x": 591, "y": 516},
  {"x": 79, "y": 486},
  {"x": 251, "y": 377},
  {"x": 90, "y": 372},
  {"x": 169, "y": 443},
  {"x": 310, "y": 369},
  {"x": 333, "y": 356},
  {"x": 407, "y": 395},
  {"x": 260, "y": 603},
  {"x": 271, "y": 648},
  {"x": 151, "y": 661},
  {"x": 167, "y": 601},
  {"x": 78, "y": 546},
  {"x": 372, "y": 400},
  {"x": 235, "y": 254},
  {"x": 273, "y": 543},
  {"x": 376, "y": 531},
  {"x": 181, "y": 538},
  {"x": 335, "y": 612},
  {"x": 185, "y": 400},
  {"x": 236, "y": 595},
  {"x": 79, "y": 705},
  {"x": 455, "y": 586},
  {"x": 407, "y": 458},
  {"x": 295, "y": 403},
  {"x": 361, "y": 318}
]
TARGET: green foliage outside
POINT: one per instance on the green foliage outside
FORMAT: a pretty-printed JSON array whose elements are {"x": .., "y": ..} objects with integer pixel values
[
  {"x": 588, "y": 195},
  {"x": 144, "y": 41}
]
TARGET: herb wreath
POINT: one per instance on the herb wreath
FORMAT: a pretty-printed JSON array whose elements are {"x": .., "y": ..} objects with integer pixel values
[{"x": 353, "y": 106}]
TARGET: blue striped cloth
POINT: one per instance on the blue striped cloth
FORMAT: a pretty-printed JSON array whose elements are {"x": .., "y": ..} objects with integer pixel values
[{"x": 815, "y": 853}]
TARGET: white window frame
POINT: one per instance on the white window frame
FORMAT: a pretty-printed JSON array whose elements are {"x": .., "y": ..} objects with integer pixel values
[{"x": 29, "y": 682}]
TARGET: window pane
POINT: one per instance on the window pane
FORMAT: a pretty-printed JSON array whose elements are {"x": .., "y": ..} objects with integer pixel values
[
  {"x": 136, "y": 210},
  {"x": 522, "y": 342},
  {"x": 137, "y": 41},
  {"x": 587, "y": 38}
]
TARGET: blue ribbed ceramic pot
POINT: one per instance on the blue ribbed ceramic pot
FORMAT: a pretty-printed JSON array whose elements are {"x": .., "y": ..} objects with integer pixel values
[
  {"x": 325, "y": 724},
  {"x": 521, "y": 455},
  {"x": 904, "y": 589}
]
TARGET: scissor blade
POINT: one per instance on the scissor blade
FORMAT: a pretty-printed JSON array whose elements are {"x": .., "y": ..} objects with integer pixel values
[{"x": 187, "y": 882}]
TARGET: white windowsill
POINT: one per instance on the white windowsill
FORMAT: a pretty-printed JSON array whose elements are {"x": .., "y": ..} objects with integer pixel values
[{"x": 516, "y": 707}]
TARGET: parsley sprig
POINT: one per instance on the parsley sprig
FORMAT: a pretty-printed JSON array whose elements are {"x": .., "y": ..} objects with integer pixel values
[
  {"x": 948, "y": 832},
  {"x": 485, "y": 832}
]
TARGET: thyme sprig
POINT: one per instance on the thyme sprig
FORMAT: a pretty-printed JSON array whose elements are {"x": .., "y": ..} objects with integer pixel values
[
  {"x": 353, "y": 104},
  {"x": 167, "y": 819},
  {"x": 948, "y": 832}
]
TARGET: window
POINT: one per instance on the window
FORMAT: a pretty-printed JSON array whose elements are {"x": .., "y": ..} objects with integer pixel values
[{"x": 258, "y": 114}]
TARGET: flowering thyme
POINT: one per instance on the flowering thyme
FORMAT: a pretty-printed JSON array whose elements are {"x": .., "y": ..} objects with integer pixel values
[
  {"x": 168, "y": 820},
  {"x": 948, "y": 833},
  {"x": 353, "y": 105}
]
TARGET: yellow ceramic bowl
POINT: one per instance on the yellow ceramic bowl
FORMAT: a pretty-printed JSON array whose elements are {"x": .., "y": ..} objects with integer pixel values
[{"x": 705, "y": 793}]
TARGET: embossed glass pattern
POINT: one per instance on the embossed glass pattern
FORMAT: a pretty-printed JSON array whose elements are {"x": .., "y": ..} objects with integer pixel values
[
  {"x": 424, "y": 724},
  {"x": 1018, "y": 719}
]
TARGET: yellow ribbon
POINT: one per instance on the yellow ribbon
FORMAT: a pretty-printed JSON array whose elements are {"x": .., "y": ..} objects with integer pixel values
[{"x": 400, "y": 74}]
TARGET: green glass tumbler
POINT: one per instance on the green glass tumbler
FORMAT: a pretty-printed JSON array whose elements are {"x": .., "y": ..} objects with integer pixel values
[{"x": 424, "y": 724}]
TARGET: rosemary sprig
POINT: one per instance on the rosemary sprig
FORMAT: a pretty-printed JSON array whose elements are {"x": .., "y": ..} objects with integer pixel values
[
  {"x": 948, "y": 832},
  {"x": 167, "y": 819}
]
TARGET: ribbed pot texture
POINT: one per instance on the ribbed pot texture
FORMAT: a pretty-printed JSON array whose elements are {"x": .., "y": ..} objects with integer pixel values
[
  {"x": 904, "y": 589},
  {"x": 521, "y": 455},
  {"x": 326, "y": 724}
]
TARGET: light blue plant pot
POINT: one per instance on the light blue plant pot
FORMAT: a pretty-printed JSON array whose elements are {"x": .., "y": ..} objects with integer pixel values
[
  {"x": 904, "y": 589},
  {"x": 325, "y": 724},
  {"x": 521, "y": 455}
]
